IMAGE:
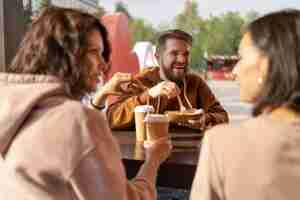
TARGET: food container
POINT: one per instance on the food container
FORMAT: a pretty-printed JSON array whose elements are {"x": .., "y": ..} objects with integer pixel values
[{"x": 176, "y": 116}]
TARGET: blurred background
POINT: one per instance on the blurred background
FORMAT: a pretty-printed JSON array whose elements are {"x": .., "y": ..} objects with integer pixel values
[{"x": 133, "y": 25}]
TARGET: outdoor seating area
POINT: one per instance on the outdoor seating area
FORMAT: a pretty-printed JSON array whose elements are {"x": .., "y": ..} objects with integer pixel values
[{"x": 101, "y": 104}]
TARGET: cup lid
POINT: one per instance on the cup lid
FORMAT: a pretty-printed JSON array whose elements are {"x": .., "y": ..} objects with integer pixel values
[
  {"x": 156, "y": 118},
  {"x": 144, "y": 108}
]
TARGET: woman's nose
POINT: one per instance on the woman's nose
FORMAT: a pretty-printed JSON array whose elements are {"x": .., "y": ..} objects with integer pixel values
[
  {"x": 101, "y": 63},
  {"x": 235, "y": 72},
  {"x": 103, "y": 68}
]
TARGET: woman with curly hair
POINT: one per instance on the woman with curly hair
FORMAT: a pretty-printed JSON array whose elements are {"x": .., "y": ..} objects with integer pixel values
[{"x": 51, "y": 146}]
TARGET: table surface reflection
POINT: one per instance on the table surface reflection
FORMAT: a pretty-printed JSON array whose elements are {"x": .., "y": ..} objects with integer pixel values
[{"x": 179, "y": 169}]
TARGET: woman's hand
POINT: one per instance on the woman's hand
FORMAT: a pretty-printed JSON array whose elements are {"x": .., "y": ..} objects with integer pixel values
[
  {"x": 113, "y": 86},
  {"x": 158, "y": 151}
]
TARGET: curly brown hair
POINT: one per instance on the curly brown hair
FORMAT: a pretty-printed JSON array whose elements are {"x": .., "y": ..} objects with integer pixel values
[{"x": 56, "y": 44}]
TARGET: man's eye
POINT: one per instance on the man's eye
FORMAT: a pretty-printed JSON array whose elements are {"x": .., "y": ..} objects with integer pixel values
[
  {"x": 174, "y": 53},
  {"x": 186, "y": 54}
]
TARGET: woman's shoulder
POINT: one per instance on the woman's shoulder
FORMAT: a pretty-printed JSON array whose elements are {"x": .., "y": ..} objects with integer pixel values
[
  {"x": 260, "y": 132},
  {"x": 77, "y": 121},
  {"x": 255, "y": 125},
  {"x": 76, "y": 110},
  {"x": 78, "y": 129}
]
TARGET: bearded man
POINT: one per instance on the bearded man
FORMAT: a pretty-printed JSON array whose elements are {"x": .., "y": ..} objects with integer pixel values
[{"x": 165, "y": 83}]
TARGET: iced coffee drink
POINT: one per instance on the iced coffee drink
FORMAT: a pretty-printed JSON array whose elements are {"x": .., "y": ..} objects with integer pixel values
[
  {"x": 157, "y": 127},
  {"x": 140, "y": 113}
]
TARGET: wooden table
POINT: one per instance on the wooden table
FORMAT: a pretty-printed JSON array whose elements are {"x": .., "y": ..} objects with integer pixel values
[{"x": 177, "y": 172}]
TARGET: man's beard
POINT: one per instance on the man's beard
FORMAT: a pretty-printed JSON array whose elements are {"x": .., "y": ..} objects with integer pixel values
[{"x": 168, "y": 74}]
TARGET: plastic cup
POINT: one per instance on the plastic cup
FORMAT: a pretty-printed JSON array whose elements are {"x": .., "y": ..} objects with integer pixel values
[{"x": 140, "y": 113}]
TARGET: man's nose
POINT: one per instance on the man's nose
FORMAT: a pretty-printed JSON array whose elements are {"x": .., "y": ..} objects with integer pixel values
[{"x": 182, "y": 59}]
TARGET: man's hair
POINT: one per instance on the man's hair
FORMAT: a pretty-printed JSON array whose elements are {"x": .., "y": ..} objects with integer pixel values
[
  {"x": 277, "y": 36},
  {"x": 174, "y": 33},
  {"x": 56, "y": 44}
]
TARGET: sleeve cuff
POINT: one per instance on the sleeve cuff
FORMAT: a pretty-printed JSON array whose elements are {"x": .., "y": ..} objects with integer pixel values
[{"x": 98, "y": 107}]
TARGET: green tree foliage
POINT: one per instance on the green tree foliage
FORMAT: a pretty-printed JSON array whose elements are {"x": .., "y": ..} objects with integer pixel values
[
  {"x": 44, "y": 3},
  {"x": 38, "y": 5},
  {"x": 122, "y": 7},
  {"x": 100, "y": 12},
  {"x": 251, "y": 15},
  {"x": 27, "y": 12},
  {"x": 139, "y": 28},
  {"x": 32, "y": 8},
  {"x": 189, "y": 20},
  {"x": 223, "y": 34},
  {"x": 214, "y": 35},
  {"x": 163, "y": 26},
  {"x": 142, "y": 31}
]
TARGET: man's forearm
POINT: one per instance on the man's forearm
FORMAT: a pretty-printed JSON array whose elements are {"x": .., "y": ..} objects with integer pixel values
[
  {"x": 121, "y": 113},
  {"x": 213, "y": 119}
]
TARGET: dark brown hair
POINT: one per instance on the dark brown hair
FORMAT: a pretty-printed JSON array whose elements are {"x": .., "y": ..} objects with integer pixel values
[
  {"x": 174, "y": 33},
  {"x": 56, "y": 44},
  {"x": 277, "y": 36}
]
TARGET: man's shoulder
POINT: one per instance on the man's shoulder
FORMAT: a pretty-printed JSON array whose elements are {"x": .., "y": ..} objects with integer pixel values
[{"x": 195, "y": 78}]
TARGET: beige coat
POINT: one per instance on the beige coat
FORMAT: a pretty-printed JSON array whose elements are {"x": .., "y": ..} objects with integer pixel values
[
  {"x": 256, "y": 160},
  {"x": 53, "y": 148}
]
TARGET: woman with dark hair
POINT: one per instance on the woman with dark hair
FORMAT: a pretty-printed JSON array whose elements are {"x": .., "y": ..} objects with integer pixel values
[
  {"x": 259, "y": 158},
  {"x": 51, "y": 146}
]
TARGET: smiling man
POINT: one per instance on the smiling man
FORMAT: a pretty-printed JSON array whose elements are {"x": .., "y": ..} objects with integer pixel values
[{"x": 166, "y": 82}]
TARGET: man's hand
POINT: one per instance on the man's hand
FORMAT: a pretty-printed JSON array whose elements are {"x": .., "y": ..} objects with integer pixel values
[
  {"x": 195, "y": 124},
  {"x": 165, "y": 88}
]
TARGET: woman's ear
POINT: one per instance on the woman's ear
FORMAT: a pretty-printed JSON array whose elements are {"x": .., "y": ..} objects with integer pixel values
[{"x": 264, "y": 66}]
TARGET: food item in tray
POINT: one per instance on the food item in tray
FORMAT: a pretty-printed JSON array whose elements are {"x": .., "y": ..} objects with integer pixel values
[{"x": 180, "y": 116}]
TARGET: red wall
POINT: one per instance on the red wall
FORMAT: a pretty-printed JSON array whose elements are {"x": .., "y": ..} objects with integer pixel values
[{"x": 123, "y": 59}]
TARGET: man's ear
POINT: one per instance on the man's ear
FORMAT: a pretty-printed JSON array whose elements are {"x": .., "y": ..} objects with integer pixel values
[{"x": 156, "y": 54}]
